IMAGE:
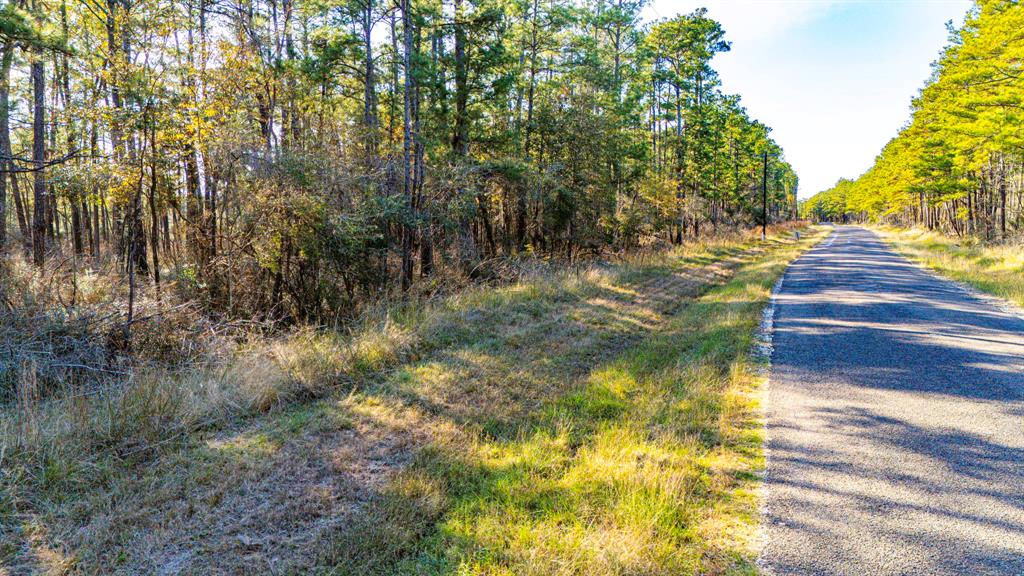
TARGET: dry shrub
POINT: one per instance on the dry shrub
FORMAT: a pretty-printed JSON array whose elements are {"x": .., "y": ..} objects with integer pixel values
[
  {"x": 69, "y": 322},
  {"x": 132, "y": 417},
  {"x": 185, "y": 370},
  {"x": 71, "y": 395}
]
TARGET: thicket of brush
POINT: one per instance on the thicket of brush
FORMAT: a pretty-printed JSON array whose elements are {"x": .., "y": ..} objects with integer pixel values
[
  {"x": 79, "y": 400},
  {"x": 76, "y": 394},
  {"x": 184, "y": 175}
]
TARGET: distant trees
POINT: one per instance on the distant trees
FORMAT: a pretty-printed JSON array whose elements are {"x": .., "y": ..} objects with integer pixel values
[
  {"x": 291, "y": 157},
  {"x": 959, "y": 165}
]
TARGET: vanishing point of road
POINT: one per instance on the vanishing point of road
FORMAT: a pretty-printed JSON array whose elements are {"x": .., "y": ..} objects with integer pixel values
[{"x": 895, "y": 421}]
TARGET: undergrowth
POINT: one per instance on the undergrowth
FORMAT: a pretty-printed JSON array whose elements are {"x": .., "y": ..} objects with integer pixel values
[
  {"x": 645, "y": 463},
  {"x": 600, "y": 419}
]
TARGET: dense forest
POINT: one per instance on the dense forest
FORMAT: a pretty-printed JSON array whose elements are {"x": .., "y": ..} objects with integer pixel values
[
  {"x": 958, "y": 166},
  {"x": 290, "y": 159}
]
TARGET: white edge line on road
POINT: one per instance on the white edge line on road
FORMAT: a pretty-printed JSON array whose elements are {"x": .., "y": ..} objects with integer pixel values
[{"x": 762, "y": 352}]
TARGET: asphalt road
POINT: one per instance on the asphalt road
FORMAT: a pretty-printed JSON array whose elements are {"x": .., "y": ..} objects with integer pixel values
[{"x": 895, "y": 421}]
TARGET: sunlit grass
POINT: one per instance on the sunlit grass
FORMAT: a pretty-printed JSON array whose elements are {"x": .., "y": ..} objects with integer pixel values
[
  {"x": 645, "y": 464},
  {"x": 592, "y": 421},
  {"x": 996, "y": 269}
]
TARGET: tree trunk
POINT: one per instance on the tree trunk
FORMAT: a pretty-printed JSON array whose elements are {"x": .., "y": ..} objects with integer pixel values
[
  {"x": 531, "y": 88},
  {"x": 6, "y": 57},
  {"x": 136, "y": 233},
  {"x": 74, "y": 204},
  {"x": 370, "y": 86},
  {"x": 39, "y": 190},
  {"x": 408, "y": 143},
  {"x": 1002, "y": 198},
  {"x": 203, "y": 191},
  {"x": 392, "y": 113},
  {"x": 116, "y": 135},
  {"x": 154, "y": 236},
  {"x": 460, "y": 138},
  {"x": 97, "y": 198}
]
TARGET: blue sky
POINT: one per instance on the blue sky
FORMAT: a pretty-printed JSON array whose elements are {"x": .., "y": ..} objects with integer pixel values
[{"x": 834, "y": 79}]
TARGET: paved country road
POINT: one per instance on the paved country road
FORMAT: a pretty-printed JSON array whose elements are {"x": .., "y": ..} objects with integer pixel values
[{"x": 895, "y": 421}]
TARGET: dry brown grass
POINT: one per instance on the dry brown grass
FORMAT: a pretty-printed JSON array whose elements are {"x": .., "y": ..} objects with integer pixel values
[{"x": 371, "y": 436}]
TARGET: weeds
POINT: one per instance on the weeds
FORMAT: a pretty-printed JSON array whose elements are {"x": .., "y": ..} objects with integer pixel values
[
  {"x": 644, "y": 463},
  {"x": 598, "y": 419}
]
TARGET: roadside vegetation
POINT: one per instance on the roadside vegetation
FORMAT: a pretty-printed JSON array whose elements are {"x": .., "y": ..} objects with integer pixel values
[
  {"x": 360, "y": 287},
  {"x": 997, "y": 269},
  {"x": 600, "y": 419}
]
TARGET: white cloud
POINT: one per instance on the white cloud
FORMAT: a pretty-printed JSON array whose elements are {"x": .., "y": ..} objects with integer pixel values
[{"x": 751, "y": 21}]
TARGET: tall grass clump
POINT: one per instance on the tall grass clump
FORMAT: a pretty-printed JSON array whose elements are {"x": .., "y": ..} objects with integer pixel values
[{"x": 54, "y": 443}]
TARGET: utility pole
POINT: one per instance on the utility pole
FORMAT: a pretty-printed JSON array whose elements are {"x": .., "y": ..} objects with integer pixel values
[
  {"x": 764, "y": 198},
  {"x": 795, "y": 214}
]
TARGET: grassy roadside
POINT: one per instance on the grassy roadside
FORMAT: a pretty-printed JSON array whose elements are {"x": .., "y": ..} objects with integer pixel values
[
  {"x": 995, "y": 269},
  {"x": 646, "y": 466},
  {"x": 597, "y": 421}
]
